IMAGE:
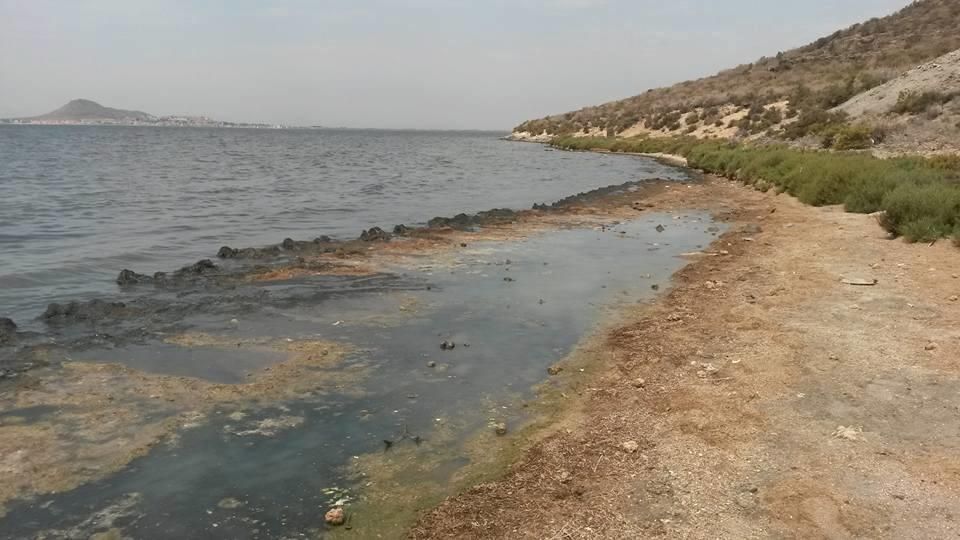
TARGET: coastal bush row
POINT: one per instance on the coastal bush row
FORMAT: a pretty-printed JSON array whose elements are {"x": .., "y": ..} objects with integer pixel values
[{"x": 919, "y": 197}]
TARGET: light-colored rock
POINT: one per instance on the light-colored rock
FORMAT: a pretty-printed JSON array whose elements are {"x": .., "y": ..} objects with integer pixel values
[{"x": 335, "y": 516}]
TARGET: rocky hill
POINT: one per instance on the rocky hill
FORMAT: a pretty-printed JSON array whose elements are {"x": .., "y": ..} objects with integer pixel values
[
  {"x": 81, "y": 110},
  {"x": 794, "y": 94}
]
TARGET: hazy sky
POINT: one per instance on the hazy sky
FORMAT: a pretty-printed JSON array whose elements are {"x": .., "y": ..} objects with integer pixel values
[{"x": 486, "y": 64}]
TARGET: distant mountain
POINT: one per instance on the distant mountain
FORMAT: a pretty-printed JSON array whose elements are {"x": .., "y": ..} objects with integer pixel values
[{"x": 80, "y": 110}]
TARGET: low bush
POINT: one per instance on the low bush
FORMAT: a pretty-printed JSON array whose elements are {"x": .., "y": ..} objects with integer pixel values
[
  {"x": 919, "y": 197},
  {"x": 911, "y": 102}
]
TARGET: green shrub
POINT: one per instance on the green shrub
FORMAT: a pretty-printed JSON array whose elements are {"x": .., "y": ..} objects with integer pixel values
[
  {"x": 911, "y": 102},
  {"x": 922, "y": 213},
  {"x": 919, "y": 197},
  {"x": 856, "y": 137}
]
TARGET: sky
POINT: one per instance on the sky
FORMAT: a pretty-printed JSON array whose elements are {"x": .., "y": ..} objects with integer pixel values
[{"x": 427, "y": 64}]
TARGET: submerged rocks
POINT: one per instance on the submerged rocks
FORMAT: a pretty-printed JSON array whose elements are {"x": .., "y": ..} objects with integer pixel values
[
  {"x": 466, "y": 221},
  {"x": 227, "y": 252},
  {"x": 375, "y": 234},
  {"x": 83, "y": 311},
  {"x": 8, "y": 330},
  {"x": 129, "y": 277},
  {"x": 202, "y": 266},
  {"x": 448, "y": 346},
  {"x": 459, "y": 221}
]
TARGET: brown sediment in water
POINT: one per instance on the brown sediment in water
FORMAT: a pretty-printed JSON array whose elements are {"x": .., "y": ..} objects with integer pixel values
[{"x": 106, "y": 415}]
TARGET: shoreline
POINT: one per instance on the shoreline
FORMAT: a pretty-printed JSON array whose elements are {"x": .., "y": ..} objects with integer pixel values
[
  {"x": 753, "y": 367},
  {"x": 180, "y": 401}
]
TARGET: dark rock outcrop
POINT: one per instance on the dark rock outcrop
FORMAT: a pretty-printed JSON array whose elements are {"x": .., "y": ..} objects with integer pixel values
[
  {"x": 227, "y": 252},
  {"x": 375, "y": 234},
  {"x": 83, "y": 311},
  {"x": 8, "y": 330},
  {"x": 129, "y": 277}
]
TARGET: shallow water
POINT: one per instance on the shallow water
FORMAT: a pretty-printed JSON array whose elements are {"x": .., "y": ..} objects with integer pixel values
[
  {"x": 561, "y": 283},
  {"x": 80, "y": 203}
]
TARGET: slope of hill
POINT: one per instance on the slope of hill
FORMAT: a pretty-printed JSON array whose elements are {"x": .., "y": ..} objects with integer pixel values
[
  {"x": 80, "y": 110},
  {"x": 788, "y": 95},
  {"x": 920, "y": 109}
]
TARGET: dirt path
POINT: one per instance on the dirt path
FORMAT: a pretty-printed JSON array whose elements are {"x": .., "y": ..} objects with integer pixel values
[{"x": 760, "y": 398}]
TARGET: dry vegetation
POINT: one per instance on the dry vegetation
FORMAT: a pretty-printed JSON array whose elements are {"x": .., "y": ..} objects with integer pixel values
[{"x": 791, "y": 95}]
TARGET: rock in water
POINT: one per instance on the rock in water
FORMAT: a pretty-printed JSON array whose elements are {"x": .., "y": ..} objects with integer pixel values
[
  {"x": 227, "y": 252},
  {"x": 375, "y": 234},
  {"x": 129, "y": 277},
  {"x": 500, "y": 428},
  {"x": 8, "y": 330},
  {"x": 401, "y": 230},
  {"x": 661, "y": 228},
  {"x": 448, "y": 345},
  {"x": 335, "y": 516}
]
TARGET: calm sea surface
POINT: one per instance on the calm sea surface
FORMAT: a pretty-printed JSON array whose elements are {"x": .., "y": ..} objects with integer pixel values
[{"x": 78, "y": 204}]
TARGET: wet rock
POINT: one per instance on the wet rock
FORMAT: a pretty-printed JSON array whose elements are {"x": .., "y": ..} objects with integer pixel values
[
  {"x": 431, "y": 364},
  {"x": 288, "y": 244},
  {"x": 509, "y": 279},
  {"x": 322, "y": 239},
  {"x": 655, "y": 287},
  {"x": 202, "y": 266},
  {"x": 375, "y": 234},
  {"x": 500, "y": 428},
  {"x": 713, "y": 229},
  {"x": 227, "y": 252},
  {"x": 448, "y": 346},
  {"x": 459, "y": 221},
  {"x": 661, "y": 228},
  {"x": 401, "y": 230},
  {"x": 630, "y": 447},
  {"x": 77, "y": 311},
  {"x": 496, "y": 214},
  {"x": 8, "y": 330},
  {"x": 554, "y": 370},
  {"x": 129, "y": 277},
  {"x": 335, "y": 516}
]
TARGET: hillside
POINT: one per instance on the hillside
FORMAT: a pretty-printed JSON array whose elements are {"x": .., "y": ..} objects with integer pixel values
[
  {"x": 792, "y": 94},
  {"x": 80, "y": 110}
]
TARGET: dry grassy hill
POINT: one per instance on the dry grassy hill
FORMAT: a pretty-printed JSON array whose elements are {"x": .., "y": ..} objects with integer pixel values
[{"x": 794, "y": 94}]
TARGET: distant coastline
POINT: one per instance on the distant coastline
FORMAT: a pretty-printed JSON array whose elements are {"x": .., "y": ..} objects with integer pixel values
[
  {"x": 84, "y": 112},
  {"x": 159, "y": 123}
]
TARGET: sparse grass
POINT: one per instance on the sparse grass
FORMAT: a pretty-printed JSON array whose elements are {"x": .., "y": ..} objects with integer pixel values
[{"x": 919, "y": 197}]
